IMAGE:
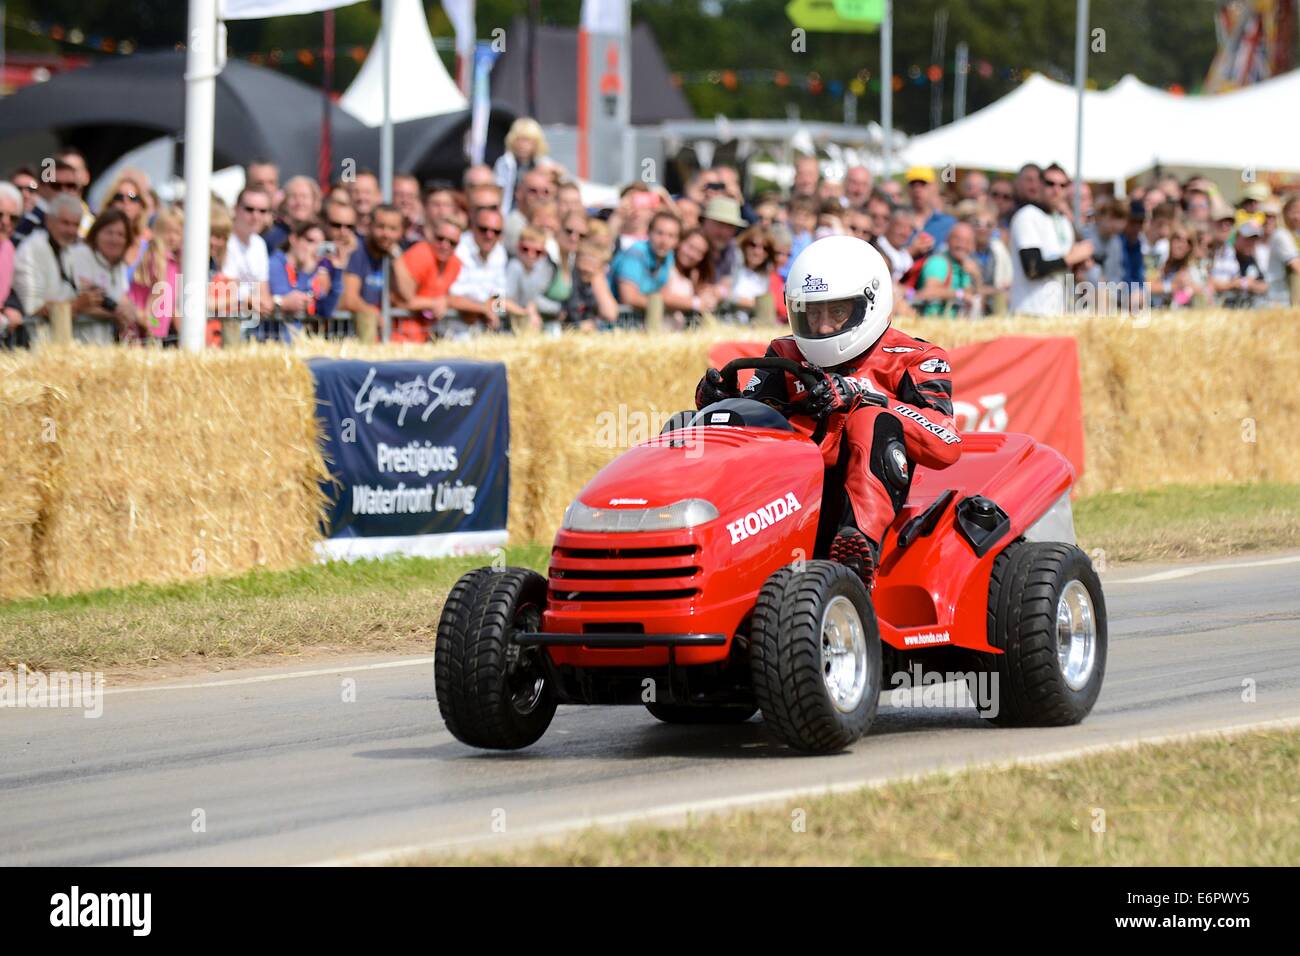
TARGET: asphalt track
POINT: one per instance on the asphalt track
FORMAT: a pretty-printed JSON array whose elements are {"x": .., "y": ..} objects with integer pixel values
[{"x": 284, "y": 770}]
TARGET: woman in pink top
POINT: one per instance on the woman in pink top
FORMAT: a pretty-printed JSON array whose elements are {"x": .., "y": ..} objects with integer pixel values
[
  {"x": 154, "y": 285},
  {"x": 11, "y": 313}
]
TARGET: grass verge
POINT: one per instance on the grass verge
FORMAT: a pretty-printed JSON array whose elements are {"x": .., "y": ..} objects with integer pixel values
[
  {"x": 362, "y": 607},
  {"x": 391, "y": 606},
  {"x": 1190, "y": 521},
  {"x": 1213, "y": 802}
]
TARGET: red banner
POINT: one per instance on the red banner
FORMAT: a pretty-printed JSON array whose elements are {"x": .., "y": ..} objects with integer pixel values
[{"x": 1013, "y": 384}]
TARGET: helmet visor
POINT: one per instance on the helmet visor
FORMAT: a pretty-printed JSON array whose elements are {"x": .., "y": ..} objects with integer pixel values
[{"x": 821, "y": 320}]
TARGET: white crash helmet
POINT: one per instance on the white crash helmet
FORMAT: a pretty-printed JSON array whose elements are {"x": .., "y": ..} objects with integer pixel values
[{"x": 830, "y": 270}]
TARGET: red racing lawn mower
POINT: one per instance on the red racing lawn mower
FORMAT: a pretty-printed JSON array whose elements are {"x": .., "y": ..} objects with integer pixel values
[{"x": 690, "y": 576}]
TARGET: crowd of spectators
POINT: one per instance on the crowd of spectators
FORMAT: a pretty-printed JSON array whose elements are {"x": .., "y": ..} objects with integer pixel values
[{"x": 511, "y": 247}]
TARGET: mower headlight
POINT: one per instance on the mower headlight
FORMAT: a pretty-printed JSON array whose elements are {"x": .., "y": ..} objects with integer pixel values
[{"x": 682, "y": 514}]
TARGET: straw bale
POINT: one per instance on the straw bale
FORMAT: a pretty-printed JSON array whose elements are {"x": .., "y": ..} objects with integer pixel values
[
  {"x": 168, "y": 465},
  {"x": 171, "y": 465},
  {"x": 26, "y": 463}
]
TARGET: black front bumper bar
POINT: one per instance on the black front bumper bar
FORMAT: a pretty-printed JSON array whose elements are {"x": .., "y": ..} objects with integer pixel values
[{"x": 533, "y": 639}]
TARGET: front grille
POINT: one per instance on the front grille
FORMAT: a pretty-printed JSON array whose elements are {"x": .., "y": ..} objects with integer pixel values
[
  {"x": 674, "y": 594},
  {"x": 616, "y": 554},
  {"x": 618, "y": 574},
  {"x": 607, "y": 575}
]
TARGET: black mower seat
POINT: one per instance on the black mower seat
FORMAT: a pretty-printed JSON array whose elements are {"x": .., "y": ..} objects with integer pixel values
[{"x": 740, "y": 412}]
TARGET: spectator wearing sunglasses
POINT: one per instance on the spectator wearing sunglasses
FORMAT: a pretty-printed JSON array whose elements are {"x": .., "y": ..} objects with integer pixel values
[
  {"x": 25, "y": 180},
  {"x": 536, "y": 189},
  {"x": 1040, "y": 253},
  {"x": 574, "y": 228},
  {"x": 483, "y": 196},
  {"x": 756, "y": 273},
  {"x": 340, "y": 229},
  {"x": 434, "y": 267},
  {"x": 127, "y": 194},
  {"x": 65, "y": 181},
  {"x": 478, "y": 294},
  {"x": 247, "y": 259},
  {"x": 991, "y": 254},
  {"x": 72, "y": 156},
  {"x": 1003, "y": 195},
  {"x": 528, "y": 277}
]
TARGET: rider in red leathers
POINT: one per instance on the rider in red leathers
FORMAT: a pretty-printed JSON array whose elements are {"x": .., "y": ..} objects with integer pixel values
[{"x": 888, "y": 395}]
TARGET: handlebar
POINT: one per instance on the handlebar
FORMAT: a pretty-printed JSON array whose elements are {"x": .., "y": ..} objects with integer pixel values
[
  {"x": 730, "y": 372},
  {"x": 810, "y": 376}
]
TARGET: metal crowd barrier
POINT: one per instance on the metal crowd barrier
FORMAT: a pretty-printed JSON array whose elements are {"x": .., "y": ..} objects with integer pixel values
[{"x": 284, "y": 327}]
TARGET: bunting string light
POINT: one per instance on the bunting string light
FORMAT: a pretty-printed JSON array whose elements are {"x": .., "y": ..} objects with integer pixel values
[
  {"x": 864, "y": 81},
  {"x": 861, "y": 84}
]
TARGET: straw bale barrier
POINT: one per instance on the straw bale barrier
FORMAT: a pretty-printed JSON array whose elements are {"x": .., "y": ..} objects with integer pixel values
[
  {"x": 132, "y": 465},
  {"x": 170, "y": 465}
]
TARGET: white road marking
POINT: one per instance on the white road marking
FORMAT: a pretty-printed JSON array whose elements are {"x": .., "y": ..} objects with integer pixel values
[
  {"x": 266, "y": 678},
  {"x": 682, "y": 812},
  {"x": 1175, "y": 573}
]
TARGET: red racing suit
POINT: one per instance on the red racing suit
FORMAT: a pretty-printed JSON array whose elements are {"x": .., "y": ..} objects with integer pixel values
[{"x": 863, "y": 443}]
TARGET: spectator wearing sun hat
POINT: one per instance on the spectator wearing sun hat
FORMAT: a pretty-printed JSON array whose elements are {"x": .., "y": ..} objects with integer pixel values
[
  {"x": 1248, "y": 207},
  {"x": 923, "y": 187},
  {"x": 1224, "y": 267},
  {"x": 721, "y": 221}
]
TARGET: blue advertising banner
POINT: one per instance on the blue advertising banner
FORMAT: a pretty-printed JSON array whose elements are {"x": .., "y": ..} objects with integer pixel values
[{"x": 419, "y": 453}]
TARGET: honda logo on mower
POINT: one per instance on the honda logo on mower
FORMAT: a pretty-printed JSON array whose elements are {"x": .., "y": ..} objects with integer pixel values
[{"x": 764, "y": 517}]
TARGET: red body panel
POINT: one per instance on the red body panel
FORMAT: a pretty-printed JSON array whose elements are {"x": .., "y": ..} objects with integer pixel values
[
  {"x": 739, "y": 471},
  {"x": 706, "y": 579},
  {"x": 936, "y": 590}
]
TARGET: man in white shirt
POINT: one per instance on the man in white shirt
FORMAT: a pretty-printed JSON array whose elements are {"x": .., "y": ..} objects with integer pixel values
[
  {"x": 42, "y": 274},
  {"x": 247, "y": 261},
  {"x": 893, "y": 244},
  {"x": 477, "y": 294},
  {"x": 1039, "y": 257},
  {"x": 1283, "y": 254}
]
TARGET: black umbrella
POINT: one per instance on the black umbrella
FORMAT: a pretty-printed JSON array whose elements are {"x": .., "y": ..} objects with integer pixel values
[{"x": 117, "y": 104}]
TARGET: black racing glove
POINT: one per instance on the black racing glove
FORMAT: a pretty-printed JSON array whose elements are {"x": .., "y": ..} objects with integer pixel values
[
  {"x": 710, "y": 389},
  {"x": 836, "y": 393}
]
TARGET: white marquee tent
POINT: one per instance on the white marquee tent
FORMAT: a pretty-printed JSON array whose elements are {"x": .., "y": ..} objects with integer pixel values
[
  {"x": 421, "y": 85},
  {"x": 1128, "y": 129}
]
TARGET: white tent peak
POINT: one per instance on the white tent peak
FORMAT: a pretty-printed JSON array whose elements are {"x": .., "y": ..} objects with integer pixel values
[
  {"x": 420, "y": 85},
  {"x": 1128, "y": 129}
]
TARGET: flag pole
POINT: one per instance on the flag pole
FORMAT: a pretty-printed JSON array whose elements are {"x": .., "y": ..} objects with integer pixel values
[
  {"x": 326, "y": 161},
  {"x": 584, "y": 165},
  {"x": 887, "y": 86},
  {"x": 1080, "y": 77},
  {"x": 386, "y": 149},
  {"x": 200, "y": 115}
]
